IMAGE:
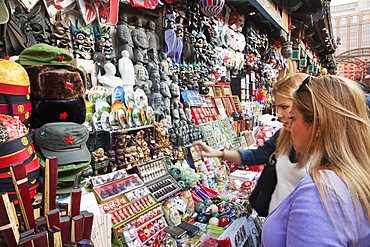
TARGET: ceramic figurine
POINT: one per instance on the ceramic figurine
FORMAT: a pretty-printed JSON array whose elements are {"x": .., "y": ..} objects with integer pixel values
[
  {"x": 127, "y": 71},
  {"x": 171, "y": 213},
  {"x": 124, "y": 36},
  {"x": 140, "y": 41},
  {"x": 179, "y": 42},
  {"x": 141, "y": 77},
  {"x": 109, "y": 80},
  {"x": 153, "y": 63},
  {"x": 153, "y": 38}
]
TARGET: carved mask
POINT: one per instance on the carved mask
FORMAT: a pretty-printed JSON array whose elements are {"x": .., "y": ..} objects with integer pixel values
[
  {"x": 82, "y": 40},
  {"x": 61, "y": 34},
  {"x": 104, "y": 42}
]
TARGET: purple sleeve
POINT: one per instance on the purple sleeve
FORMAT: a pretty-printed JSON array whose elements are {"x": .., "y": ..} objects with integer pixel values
[{"x": 309, "y": 222}]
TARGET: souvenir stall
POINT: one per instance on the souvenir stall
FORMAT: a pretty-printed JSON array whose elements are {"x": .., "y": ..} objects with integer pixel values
[{"x": 101, "y": 104}]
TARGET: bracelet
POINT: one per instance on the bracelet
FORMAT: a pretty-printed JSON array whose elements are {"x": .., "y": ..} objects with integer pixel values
[{"x": 223, "y": 153}]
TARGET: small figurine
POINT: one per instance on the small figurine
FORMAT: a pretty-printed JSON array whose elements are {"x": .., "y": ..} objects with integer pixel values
[
  {"x": 171, "y": 213},
  {"x": 153, "y": 38},
  {"x": 140, "y": 40},
  {"x": 124, "y": 36},
  {"x": 109, "y": 80},
  {"x": 127, "y": 71}
]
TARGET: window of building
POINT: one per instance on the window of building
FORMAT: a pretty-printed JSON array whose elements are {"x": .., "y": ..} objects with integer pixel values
[
  {"x": 354, "y": 19},
  {"x": 353, "y": 38},
  {"x": 333, "y": 22},
  {"x": 343, "y": 20},
  {"x": 365, "y": 42},
  {"x": 343, "y": 38},
  {"x": 366, "y": 17}
]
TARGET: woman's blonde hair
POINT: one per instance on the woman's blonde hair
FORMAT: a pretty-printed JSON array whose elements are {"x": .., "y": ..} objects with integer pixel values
[
  {"x": 286, "y": 88},
  {"x": 340, "y": 141}
]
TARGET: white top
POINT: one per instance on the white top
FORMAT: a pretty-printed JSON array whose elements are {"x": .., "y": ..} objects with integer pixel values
[{"x": 287, "y": 179}]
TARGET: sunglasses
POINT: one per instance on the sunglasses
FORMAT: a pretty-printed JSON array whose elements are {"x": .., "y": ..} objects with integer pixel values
[{"x": 305, "y": 83}]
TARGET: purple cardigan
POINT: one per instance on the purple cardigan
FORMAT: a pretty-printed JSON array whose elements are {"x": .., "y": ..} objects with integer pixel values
[{"x": 301, "y": 219}]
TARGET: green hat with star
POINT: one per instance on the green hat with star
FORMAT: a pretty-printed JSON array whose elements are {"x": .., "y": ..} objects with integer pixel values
[
  {"x": 44, "y": 54},
  {"x": 65, "y": 140}
]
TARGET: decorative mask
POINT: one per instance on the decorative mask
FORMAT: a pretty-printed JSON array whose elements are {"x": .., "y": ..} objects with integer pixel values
[
  {"x": 61, "y": 34},
  {"x": 40, "y": 25},
  {"x": 82, "y": 40},
  {"x": 104, "y": 42}
]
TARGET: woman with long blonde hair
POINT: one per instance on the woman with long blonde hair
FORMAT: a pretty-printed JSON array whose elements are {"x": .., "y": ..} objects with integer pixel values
[
  {"x": 331, "y": 206},
  {"x": 290, "y": 168}
]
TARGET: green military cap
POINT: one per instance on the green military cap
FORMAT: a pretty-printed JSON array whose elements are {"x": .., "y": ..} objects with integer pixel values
[
  {"x": 65, "y": 140},
  {"x": 43, "y": 54}
]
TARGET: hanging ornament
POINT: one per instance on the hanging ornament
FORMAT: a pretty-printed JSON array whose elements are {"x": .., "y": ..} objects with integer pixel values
[
  {"x": 287, "y": 49},
  {"x": 211, "y": 8}
]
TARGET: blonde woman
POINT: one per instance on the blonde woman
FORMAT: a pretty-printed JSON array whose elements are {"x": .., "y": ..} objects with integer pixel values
[
  {"x": 288, "y": 171},
  {"x": 331, "y": 206}
]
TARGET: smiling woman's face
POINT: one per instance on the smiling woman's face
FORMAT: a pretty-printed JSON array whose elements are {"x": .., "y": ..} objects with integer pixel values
[
  {"x": 283, "y": 107},
  {"x": 300, "y": 131}
]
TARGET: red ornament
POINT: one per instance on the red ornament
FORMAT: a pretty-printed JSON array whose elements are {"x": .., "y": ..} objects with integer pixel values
[
  {"x": 69, "y": 140},
  {"x": 69, "y": 84},
  {"x": 223, "y": 221},
  {"x": 63, "y": 115},
  {"x": 61, "y": 58}
]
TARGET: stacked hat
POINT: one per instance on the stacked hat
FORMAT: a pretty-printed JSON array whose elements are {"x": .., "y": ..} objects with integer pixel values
[
  {"x": 57, "y": 88},
  {"x": 15, "y": 91},
  {"x": 68, "y": 142},
  {"x": 16, "y": 146}
]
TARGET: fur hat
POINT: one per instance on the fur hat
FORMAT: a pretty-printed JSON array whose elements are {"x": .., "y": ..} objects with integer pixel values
[
  {"x": 56, "y": 82},
  {"x": 48, "y": 110}
]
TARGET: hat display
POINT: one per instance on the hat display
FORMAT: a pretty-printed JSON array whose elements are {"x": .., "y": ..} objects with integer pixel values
[
  {"x": 56, "y": 82},
  {"x": 47, "y": 111},
  {"x": 13, "y": 78},
  {"x": 15, "y": 91},
  {"x": 43, "y": 54},
  {"x": 65, "y": 140}
]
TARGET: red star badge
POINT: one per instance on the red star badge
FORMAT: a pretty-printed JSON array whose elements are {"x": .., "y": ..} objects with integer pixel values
[
  {"x": 69, "y": 140},
  {"x": 61, "y": 58},
  {"x": 63, "y": 115},
  {"x": 69, "y": 84}
]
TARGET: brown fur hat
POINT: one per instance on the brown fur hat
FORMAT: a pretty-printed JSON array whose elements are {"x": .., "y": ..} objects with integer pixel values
[{"x": 56, "y": 82}]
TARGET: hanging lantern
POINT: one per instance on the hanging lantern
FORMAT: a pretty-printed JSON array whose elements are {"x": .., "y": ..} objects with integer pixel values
[
  {"x": 365, "y": 67},
  {"x": 287, "y": 49},
  {"x": 358, "y": 63},
  {"x": 211, "y": 8},
  {"x": 346, "y": 76},
  {"x": 345, "y": 72},
  {"x": 365, "y": 63}
]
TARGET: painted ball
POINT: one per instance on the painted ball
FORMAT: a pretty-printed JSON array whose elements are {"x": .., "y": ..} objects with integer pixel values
[
  {"x": 213, "y": 221},
  {"x": 202, "y": 218},
  {"x": 214, "y": 208},
  {"x": 223, "y": 221},
  {"x": 208, "y": 202},
  {"x": 216, "y": 215},
  {"x": 199, "y": 207}
]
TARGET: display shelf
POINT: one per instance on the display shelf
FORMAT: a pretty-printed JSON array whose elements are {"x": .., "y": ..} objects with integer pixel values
[
  {"x": 132, "y": 129},
  {"x": 163, "y": 188}
]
